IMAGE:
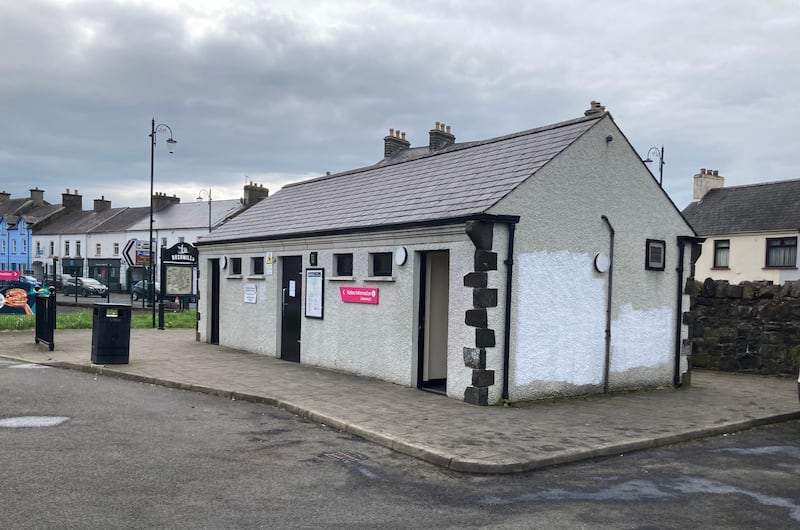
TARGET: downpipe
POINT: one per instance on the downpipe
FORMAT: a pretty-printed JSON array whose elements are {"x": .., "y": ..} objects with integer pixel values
[{"x": 607, "y": 359}]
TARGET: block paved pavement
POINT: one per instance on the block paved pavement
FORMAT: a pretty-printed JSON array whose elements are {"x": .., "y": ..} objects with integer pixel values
[{"x": 444, "y": 431}]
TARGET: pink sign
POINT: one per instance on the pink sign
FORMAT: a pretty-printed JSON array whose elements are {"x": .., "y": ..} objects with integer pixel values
[
  {"x": 359, "y": 295},
  {"x": 10, "y": 275}
]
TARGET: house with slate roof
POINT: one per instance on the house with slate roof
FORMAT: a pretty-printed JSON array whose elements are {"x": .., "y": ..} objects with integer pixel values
[
  {"x": 481, "y": 270},
  {"x": 751, "y": 231}
]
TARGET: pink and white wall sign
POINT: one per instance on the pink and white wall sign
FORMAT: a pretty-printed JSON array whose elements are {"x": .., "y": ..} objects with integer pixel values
[{"x": 359, "y": 295}]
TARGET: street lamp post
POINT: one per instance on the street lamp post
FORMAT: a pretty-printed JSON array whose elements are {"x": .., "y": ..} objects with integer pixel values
[
  {"x": 655, "y": 152},
  {"x": 154, "y": 129},
  {"x": 200, "y": 198}
]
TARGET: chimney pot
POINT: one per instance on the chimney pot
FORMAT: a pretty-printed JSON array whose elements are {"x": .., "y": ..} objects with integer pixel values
[{"x": 391, "y": 131}]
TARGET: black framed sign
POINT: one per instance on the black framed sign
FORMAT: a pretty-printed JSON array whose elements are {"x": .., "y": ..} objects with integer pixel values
[{"x": 314, "y": 292}]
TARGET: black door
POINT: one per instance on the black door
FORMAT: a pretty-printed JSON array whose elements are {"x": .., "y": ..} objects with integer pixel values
[
  {"x": 291, "y": 284},
  {"x": 213, "y": 300}
]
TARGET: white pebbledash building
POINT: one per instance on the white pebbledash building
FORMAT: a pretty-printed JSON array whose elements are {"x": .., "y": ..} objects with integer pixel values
[{"x": 542, "y": 263}]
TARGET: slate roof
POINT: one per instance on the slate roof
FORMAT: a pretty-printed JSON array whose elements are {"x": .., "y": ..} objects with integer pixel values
[
  {"x": 415, "y": 186},
  {"x": 771, "y": 206},
  {"x": 188, "y": 215},
  {"x": 78, "y": 222}
]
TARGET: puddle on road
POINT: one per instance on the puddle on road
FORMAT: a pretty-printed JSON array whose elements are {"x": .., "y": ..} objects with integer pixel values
[{"x": 32, "y": 421}]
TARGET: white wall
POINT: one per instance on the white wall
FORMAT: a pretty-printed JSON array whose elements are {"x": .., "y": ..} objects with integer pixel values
[
  {"x": 370, "y": 340},
  {"x": 747, "y": 258},
  {"x": 559, "y": 304}
]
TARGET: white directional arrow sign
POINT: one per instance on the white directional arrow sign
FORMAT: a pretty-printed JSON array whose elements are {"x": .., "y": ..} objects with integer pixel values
[{"x": 137, "y": 253}]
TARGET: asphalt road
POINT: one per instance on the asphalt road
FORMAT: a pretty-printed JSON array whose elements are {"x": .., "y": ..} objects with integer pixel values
[{"x": 131, "y": 455}]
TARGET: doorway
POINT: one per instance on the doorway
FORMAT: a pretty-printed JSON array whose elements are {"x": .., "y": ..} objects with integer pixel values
[
  {"x": 433, "y": 320},
  {"x": 213, "y": 300},
  {"x": 291, "y": 287}
]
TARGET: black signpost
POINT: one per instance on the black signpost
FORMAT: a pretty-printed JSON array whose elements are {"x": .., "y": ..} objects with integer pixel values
[{"x": 178, "y": 264}]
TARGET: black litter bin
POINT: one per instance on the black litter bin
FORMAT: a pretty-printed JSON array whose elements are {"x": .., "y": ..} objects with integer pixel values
[{"x": 111, "y": 334}]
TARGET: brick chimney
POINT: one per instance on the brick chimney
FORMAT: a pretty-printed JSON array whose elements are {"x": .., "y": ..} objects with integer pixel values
[
  {"x": 254, "y": 193},
  {"x": 440, "y": 137},
  {"x": 161, "y": 201},
  {"x": 72, "y": 201},
  {"x": 595, "y": 108},
  {"x": 37, "y": 197},
  {"x": 101, "y": 204},
  {"x": 705, "y": 181},
  {"x": 4, "y": 196},
  {"x": 394, "y": 143}
]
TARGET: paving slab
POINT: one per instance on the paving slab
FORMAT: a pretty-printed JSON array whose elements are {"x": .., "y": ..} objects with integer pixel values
[{"x": 434, "y": 428}]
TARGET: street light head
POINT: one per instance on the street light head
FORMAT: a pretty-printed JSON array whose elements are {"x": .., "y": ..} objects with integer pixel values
[
  {"x": 647, "y": 160},
  {"x": 171, "y": 143}
]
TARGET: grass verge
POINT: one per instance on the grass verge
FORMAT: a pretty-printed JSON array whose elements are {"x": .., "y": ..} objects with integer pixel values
[{"x": 84, "y": 320}]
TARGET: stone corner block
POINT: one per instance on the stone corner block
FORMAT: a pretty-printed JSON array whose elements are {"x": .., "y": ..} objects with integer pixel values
[{"x": 476, "y": 396}]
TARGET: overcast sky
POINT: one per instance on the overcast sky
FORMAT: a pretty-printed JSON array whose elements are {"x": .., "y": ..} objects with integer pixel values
[{"x": 277, "y": 91}]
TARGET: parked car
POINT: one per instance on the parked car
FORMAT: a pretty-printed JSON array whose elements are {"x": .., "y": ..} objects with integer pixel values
[
  {"x": 25, "y": 278},
  {"x": 141, "y": 290},
  {"x": 84, "y": 287},
  {"x": 59, "y": 279}
]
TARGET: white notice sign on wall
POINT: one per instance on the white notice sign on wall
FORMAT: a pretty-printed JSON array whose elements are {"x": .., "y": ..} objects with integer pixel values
[{"x": 250, "y": 293}]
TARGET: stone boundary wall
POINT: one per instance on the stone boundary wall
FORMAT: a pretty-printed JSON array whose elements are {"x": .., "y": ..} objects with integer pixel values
[{"x": 750, "y": 327}]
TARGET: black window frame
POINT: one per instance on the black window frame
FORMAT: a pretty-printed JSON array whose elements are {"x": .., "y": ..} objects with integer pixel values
[
  {"x": 722, "y": 244},
  {"x": 343, "y": 264},
  {"x": 236, "y": 265},
  {"x": 380, "y": 264},
  {"x": 257, "y": 266},
  {"x": 789, "y": 242},
  {"x": 648, "y": 258}
]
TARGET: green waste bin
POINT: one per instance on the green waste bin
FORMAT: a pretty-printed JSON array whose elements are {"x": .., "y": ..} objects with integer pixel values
[{"x": 111, "y": 333}]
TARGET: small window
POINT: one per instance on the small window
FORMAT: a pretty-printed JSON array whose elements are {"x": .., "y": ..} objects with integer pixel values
[
  {"x": 116, "y": 249},
  {"x": 655, "y": 259},
  {"x": 38, "y": 248},
  {"x": 782, "y": 252},
  {"x": 163, "y": 241},
  {"x": 3, "y": 246},
  {"x": 98, "y": 249},
  {"x": 380, "y": 264},
  {"x": 181, "y": 239},
  {"x": 66, "y": 248},
  {"x": 24, "y": 246},
  {"x": 343, "y": 264},
  {"x": 722, "y": 252},
  {"x": 77, "y": 248},
  {"x": 13, "y": 246},
  {"x": 257, "y": 265},
  {"x": 52, "y": 248},
  {"x": 236, "y": 265}
]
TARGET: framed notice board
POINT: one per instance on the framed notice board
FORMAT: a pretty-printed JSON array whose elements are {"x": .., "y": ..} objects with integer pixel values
[{"x": 314, "y": 292}]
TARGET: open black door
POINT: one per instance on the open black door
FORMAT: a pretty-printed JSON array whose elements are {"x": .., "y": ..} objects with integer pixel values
[
  {"x": 213, "y": 300},
  {"x": 291, "y": 285}
]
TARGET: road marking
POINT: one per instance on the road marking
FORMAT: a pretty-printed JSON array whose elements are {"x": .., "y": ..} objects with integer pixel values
[{"x": 32, "y": 421}]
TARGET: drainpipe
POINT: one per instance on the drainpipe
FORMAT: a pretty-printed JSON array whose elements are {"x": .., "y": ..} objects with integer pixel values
[
  {"x": 607, "y": 359},
  {"x": 676, "y": 378},
  {"x": 507, "y": 331}
]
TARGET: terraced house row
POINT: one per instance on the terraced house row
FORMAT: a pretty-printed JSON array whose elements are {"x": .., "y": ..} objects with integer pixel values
[{"x": 44, "y": 239}]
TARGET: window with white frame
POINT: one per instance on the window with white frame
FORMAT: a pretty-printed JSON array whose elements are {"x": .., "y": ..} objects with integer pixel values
[
  {"x": 78, "y": 248},
  {"x": 655, "y": 258},
  {"x": 52, "y": 248},
  {"x": 98, "y": 249},
  {"x": 13, "y": 246},
  {"x": 38, "y": 247},
  {"x": 163, "y": 241},
  {"x": 66, "y": 248},
  {"x": 116, "y": 249}
]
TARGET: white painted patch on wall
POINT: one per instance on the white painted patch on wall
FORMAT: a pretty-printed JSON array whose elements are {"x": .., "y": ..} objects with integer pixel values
[
  {"x": 32, "y": 421},
  {"x": 641, "y": 338},
  {"x": 28, "y": 365},
  {"x": 561, "y": 319}
]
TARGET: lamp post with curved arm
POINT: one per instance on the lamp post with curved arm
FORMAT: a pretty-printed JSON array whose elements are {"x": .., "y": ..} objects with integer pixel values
[
  {"x": 154, "y": 130},
  {"x": 200, "y": 198},
  {"x": 655, "y": 152}
]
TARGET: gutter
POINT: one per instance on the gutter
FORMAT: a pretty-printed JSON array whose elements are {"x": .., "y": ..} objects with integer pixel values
[
  {"x": 509, "y": 262},
  {"x": 607, "y": 358}
]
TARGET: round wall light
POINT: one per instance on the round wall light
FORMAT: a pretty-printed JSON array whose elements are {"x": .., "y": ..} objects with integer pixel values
[{"x": 602, "y": 262}]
